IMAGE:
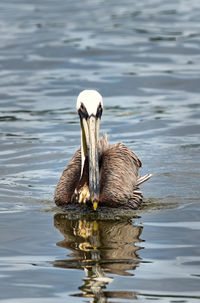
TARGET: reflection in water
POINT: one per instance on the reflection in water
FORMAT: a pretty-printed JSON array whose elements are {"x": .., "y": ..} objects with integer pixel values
[{"x": 99, "y": 247}]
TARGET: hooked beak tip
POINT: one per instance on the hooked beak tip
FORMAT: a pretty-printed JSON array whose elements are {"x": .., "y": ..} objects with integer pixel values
[
  {"x": 95, "y": 204},
  {"x": 95, "y": 200}
]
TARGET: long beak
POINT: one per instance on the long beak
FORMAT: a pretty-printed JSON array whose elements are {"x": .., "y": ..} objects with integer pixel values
[{"x": 90, "y": 136}]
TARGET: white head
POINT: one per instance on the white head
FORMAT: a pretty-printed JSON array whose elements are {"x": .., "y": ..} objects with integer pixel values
[
  {"x": 91, "y": 100},
  {"x": 90, "y": 106}
]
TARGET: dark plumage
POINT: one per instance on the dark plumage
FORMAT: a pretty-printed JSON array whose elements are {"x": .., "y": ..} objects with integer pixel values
[
  {"x": 118, "y": 178},
  {"x": 118, "y": 187}
]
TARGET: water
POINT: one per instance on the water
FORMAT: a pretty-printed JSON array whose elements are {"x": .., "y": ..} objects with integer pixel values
[{"x": 144, "y": 59}]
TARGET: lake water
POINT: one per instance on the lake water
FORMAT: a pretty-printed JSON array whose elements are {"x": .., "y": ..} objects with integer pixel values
[{"x": 144, "y": 58}]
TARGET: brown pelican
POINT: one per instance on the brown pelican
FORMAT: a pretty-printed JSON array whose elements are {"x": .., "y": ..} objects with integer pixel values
[{"x": 99, "y": 172}]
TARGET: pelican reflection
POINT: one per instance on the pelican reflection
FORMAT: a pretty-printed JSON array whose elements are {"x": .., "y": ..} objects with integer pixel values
[{"x": 100, "y": 248}]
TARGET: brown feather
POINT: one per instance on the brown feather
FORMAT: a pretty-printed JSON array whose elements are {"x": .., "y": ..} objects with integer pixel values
[
  {"x": 68, "y": 181},
  {"x": 118, "y": 177}
]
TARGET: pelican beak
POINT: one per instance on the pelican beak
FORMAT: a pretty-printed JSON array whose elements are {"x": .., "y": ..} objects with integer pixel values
[{"x": 90, "y": 134}]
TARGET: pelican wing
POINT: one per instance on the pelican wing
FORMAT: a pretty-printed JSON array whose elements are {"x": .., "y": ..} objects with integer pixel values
[
  {"x": 119, "y": 177},
  {"x": 142, "y": 179},
  {"x": 68, "y": 181}
]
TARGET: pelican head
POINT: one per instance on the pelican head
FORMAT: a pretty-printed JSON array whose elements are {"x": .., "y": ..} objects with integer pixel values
[{"x": 89, "y": 107}]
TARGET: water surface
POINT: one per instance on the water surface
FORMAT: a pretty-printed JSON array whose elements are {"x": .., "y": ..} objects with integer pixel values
[{"x": 144, "y": 59}]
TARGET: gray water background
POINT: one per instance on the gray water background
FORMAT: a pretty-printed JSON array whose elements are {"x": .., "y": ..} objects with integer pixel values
[{"x": 144, "y": 58}]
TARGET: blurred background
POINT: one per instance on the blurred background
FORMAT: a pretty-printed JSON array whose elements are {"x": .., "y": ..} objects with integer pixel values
[{"x": 144, "y": 58}]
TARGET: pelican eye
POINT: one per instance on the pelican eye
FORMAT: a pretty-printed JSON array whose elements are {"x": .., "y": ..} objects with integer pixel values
[
  {"x": 99, "y": 110},
  {"x": 83, "y": 111},
  {"x": 82, "y": 107}
]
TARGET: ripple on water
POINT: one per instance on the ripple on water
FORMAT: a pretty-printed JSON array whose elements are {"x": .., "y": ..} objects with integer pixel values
[{"x": 144, "y": 59}]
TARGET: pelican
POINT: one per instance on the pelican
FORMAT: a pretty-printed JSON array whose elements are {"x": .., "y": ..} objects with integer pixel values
[{"x": 99, "y": 172}]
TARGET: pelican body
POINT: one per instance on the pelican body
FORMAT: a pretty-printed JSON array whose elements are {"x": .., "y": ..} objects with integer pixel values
[{"x": 99, "y": 172}]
